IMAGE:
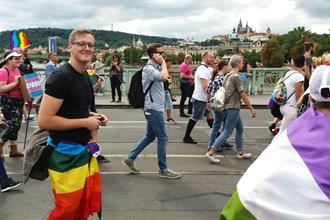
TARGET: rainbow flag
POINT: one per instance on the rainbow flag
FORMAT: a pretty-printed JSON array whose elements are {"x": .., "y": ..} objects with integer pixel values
[
  {"x": 75, "y": 181},
  {"x": 18, "y": 40},
  {"x": 291, "y": 179}
]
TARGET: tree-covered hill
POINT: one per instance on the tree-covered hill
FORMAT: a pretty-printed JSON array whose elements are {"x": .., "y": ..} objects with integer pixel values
[{"x": 39, "y": 37}]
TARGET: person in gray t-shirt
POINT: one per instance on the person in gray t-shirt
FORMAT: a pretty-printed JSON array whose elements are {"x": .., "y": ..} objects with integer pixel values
[
  {"x": 154, "y": 105},
  {"x": 233, "y": 95}
]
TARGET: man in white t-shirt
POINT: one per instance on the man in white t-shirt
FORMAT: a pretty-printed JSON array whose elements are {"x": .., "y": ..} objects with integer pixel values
[
  {"x": 294, "y": 86},
  {"x": 201, "y": 107}
]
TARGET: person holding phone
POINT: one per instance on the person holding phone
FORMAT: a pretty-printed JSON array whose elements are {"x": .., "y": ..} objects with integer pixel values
[
  {"x": 154, "y": 72},
  {"x": 116, "y": 77}
]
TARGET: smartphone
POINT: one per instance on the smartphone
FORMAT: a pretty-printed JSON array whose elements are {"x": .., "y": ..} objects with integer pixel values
[{"x": 101, "y": 118}]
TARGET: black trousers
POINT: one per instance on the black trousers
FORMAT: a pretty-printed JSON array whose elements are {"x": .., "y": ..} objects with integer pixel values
[
  {"x": 115, "y": 85},
  {"x": 186, "y": 92}
]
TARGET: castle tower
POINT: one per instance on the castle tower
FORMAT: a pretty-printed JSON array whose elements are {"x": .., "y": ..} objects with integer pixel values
[{"x": 239, "y": 26}]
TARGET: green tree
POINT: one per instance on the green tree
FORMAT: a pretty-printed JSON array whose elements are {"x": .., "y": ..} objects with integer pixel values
[
  {"x": 198, "y": 58},
  {"x": 253, "y": 57},
  {"x": 133, "y": 55},
  {"x": 39, "y": 36},
  {"x": 210, "y": 42},
  {"x": 271, "y": 54},
  {"x": 220, "y": 52},
  {"x": 289, "y": 40},
  {"x": 173, "y": 57},
  {"x": 299, "y": 48},
  {"x": 180, "y": 57}
]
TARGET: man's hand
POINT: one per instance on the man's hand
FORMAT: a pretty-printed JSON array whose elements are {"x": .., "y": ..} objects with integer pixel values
[
  {"x": 253, "y": 113},
  {"x": 92, "y": 123},
  {"x": 208, "y": 106},
  {"x": 159, "y": 59},
  {"x": 103, "y": 119},
  {"x": 16, "y": 80}
]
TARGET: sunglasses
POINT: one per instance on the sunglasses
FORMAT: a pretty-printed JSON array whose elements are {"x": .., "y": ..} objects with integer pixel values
[{"x": 160, "y": 53}]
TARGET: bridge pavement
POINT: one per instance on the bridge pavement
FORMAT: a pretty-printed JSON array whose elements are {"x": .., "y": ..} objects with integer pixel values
[{"x": 200, "y": 194}]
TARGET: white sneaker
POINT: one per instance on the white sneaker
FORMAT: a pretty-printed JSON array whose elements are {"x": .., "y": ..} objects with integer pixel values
[
  {"x": 212, "y": 158},
  {"x": 243, "y": 155}
]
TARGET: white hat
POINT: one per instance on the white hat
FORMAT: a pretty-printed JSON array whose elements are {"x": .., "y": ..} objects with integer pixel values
[
  {"x": 12, "y": 54},
  {"x": 319, "y": 84}
]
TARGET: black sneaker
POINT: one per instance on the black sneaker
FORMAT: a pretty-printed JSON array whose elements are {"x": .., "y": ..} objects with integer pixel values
[
  {"x": 272, "y": 127},
  {"x": 102, "y": 159},
  {"x": 184, "y": 115},
  {"x": 189, "y": 140},
  {"x": 9, "y": 184}
]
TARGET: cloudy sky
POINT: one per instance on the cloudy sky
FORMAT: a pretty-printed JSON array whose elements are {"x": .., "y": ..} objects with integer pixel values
[{"x": 193, "y": 19}]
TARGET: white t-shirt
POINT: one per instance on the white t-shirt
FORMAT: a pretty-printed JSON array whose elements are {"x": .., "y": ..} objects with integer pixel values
[
  {"x": 290, "y": 84},
  {"x": 202, "y": 72}
]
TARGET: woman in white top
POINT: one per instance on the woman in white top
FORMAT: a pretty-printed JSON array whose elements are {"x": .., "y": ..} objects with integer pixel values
[{"x": 294, "y": 85}]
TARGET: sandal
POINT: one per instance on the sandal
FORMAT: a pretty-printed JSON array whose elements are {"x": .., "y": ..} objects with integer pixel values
[{"x": 171, "y": 121}]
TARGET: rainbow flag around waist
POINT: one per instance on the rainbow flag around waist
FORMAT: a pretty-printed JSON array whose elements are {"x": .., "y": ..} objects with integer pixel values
[
  {"x": 291, "y": 178},
  {"x": 75, "y": 181},
  {"x": 18, "y": 40}
]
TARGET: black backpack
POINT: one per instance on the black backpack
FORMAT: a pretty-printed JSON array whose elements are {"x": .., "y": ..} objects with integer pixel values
[{"x": 135, "y": 93}]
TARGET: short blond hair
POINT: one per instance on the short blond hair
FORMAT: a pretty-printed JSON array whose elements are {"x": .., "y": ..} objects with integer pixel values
[
  {"x": 187, "y": 56},
  {"x": 325, "y": 57},
  {"x": 78, "y": 31}
]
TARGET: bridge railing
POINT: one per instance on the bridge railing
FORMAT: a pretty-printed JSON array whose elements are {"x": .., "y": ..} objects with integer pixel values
[{"x": 262, "y": 82}]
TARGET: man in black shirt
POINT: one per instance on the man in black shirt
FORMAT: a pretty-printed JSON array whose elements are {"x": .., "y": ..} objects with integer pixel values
[{"x": 65, "y": 112}]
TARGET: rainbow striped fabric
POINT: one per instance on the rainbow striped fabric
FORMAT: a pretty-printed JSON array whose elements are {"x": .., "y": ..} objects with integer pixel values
[
  {"x": 291, "y": 178},
  {"x": 75, "y": 181},
  {"x": 18, "y": 40}
]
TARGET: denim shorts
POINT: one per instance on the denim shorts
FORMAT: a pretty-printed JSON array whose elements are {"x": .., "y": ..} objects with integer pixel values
[
  {"x": 168, "y": 100},
  {"x": 199, "y": 110}
]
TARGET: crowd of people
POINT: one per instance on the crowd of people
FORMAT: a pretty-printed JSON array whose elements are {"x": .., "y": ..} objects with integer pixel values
[{"x": 67, "y": 111}]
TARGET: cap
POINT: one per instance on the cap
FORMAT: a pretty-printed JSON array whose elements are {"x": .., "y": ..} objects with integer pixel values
[
  {"x": 319, "y": 84},
  {"x": 10, "y": 54}
]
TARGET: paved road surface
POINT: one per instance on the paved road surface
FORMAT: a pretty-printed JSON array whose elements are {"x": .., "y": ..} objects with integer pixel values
[{"x": 200, "y": 194}]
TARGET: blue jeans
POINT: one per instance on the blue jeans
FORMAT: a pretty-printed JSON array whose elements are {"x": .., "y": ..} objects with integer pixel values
[
  {"x": 168, "y": 100},
  {"x": 3, "y": 173},
  {"x": 155, "y": 128},
  {"x": 233, "y": 120},
  {"x": 199, "y": 110},
  {"x": 219, "y": 117}
]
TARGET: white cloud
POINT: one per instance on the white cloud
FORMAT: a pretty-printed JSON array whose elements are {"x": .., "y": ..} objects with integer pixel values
[{"x": 172, "y": 18}]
